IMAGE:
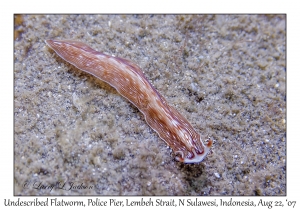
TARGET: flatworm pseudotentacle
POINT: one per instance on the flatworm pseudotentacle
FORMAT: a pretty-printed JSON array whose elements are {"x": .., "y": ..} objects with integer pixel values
[{"x": 128, "y": 79}]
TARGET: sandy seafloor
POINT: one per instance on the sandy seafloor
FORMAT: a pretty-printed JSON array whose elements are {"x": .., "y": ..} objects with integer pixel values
[{"x": 225, "y": 73}]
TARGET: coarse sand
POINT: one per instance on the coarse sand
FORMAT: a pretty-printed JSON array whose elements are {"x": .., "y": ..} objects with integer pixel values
[{"x": 225, "y": 73}]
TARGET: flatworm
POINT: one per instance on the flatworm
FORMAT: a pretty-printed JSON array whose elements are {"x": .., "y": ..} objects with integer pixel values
[{"x": 128, "y": 79}]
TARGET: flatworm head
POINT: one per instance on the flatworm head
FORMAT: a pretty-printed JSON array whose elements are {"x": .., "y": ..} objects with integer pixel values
[{"x": 195, "y": 156}]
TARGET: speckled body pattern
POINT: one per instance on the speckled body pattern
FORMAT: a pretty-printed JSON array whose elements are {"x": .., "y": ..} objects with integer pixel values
[{"x": 128, "y": 79}]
